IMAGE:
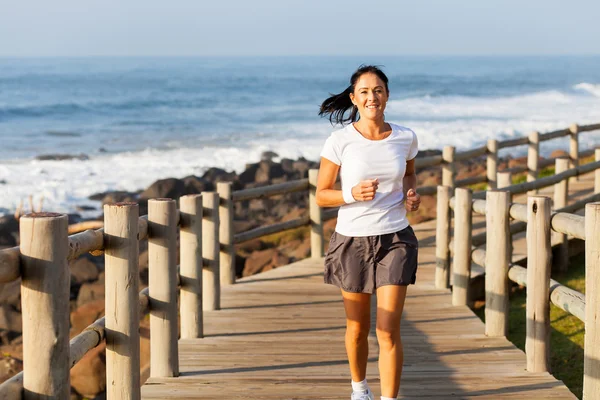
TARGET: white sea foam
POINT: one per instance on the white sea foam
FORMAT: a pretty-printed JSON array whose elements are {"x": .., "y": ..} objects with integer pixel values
[
  {"x": 438, "y": 121},
  {"x": 588, "y": 87}
]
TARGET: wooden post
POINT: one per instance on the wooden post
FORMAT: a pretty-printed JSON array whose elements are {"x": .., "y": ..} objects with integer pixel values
[
  {"x": 533, "y": 158},
  {"x": 448, "y": 167},
  {"x": 597, "y": 173},
  {"x": 227, "y": 253},
  {"x": 442, "y": 238},
  {"x": 162, "y": 270},
  {"x": 316, "y": 217},
  {"x": 561, "y": 191},
  {"x": 539, "y": 254},
  {"x": 504, "y": 179},
  {"x": 591, "y": 363},
  {"x": 492, "y": 163},
  {"x": 121, "y": 255},
  {"x": 574, "y": 149},
  {"x": 211, "y": 288},
  {"x": 45, "y": 305},
  {"x": 462, "y": 245},
  {"x": 190, "y": 248},
  {"x": 497, "y": 260}
]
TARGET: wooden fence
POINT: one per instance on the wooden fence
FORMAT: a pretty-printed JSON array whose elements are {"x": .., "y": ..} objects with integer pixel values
[
  {"x": 492, "y": 250},
  {"x": 206, "y": 261}
]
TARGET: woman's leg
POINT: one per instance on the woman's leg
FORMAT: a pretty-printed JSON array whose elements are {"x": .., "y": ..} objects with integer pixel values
[
  {"x": 358, "y": 322},
  {"x": 390, "y": 303}
]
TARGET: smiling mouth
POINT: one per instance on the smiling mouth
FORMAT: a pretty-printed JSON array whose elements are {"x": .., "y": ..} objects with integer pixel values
[{"x": 372, "y": 107}]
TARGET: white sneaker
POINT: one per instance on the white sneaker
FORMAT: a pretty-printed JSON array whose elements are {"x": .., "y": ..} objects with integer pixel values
[{"x": 366, "y": 395}]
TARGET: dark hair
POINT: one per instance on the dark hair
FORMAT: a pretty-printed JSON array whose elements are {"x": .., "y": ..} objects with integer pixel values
[{"x": 337, "y": 105}]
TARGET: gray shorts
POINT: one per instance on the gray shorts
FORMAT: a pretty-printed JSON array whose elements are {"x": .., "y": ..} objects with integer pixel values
[{"x": 361, "y": 264}]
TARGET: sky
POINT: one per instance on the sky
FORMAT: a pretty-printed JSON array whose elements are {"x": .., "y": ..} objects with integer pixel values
[{"x": 77, "y": 28}]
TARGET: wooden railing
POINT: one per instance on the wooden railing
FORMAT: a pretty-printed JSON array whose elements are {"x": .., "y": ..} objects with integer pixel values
[
  {"x": 492, "y": 250},
  {"x": 207, "y": 261}
]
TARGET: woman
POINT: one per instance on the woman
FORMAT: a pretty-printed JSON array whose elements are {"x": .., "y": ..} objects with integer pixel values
[{"x": 373, "y": 248}]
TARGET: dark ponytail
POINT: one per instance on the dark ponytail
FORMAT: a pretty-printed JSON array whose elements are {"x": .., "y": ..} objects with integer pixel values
[{"x": 337, "y": 105}]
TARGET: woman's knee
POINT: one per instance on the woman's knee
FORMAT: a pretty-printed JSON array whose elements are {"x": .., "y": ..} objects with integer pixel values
[
  {"x": 357, "y": 332},
  {"x": 388, "y": 335}
]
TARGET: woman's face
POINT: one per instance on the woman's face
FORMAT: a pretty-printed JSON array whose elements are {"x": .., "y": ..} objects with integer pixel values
[{"x": 370, "y": 96}]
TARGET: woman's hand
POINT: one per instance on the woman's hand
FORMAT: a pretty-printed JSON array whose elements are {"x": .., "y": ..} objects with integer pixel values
[
  {"x": 365, "y": 190},
  {"x": 413, "y": 200}
]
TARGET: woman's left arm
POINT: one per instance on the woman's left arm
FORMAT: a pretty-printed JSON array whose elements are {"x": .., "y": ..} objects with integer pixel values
[{"x": 409, "y": 186}]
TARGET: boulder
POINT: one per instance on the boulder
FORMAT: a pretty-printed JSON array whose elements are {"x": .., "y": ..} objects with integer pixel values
[
  {"x": 249, "y": 174},
  {"x": 264, "y": 260},
  {"x": 85, "y": 315},
  {"x": 195, "y": 185},
  {"x": 90, "y": 292},
  {"x": 88, "y": 376},
  {"x": 164, "y": 188},
  {"x": 219, "y": 175},
  {"x": 10, "y": 294},
  {"x": 11, "y": 323},
  {"x": 268, "y": 156},
  {"x": 82, "y": 271},
  {"x": 9, "y": 231},
  {"x": 267, "y": 171}
]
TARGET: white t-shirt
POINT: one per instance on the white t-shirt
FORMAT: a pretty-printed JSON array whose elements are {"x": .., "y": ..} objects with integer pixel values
[{"x": 361, "y": 159}]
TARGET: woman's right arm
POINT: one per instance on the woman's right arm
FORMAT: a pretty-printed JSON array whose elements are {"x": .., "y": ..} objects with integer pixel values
[{"x": 326, "y": 195}]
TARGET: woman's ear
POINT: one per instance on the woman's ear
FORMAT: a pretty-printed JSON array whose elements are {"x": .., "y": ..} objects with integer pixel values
[{"x": 352, "y": 98}]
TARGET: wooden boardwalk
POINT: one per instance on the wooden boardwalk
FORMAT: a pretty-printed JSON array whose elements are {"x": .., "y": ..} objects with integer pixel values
[{"x": 280, "y": 335}]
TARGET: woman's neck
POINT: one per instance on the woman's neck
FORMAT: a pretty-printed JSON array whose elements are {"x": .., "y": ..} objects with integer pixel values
[{"x": 373, "y": 129}]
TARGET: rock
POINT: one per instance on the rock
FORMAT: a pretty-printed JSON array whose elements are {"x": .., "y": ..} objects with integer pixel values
[
  {"x": 288, "y": 167},
  {"x": 90, "y": 292},
  {"x": 61, "y": 157},
  {"x": 249, "y": 174},
  {"x": 83, "y": 270},
  {"x": 301, "y": 167},
  {"x": 9, "y": 365},
  {"x": 11, "y": 323},
  {"x": 268, "y": 156},
  {"x": 85, "y": 208},
  {"x": 194, "y": 185},
  {"x": 559, "y": 153},
  {"x": 428, "y": 153},
  {"x": 219, "y": 175},
  {"x": 85, "y": 315},
  {"x": 10, "y": 294},
  {"x": 170, "y": 188},
  {"x": 268, "y": 170},
  {"x": 119, "y": 197},
  {"x": 514, "y": 162},
  {"x": 264, "y": 260},
  {"x": 88, "y": 376},
  {"x": 9, "y": 231}
]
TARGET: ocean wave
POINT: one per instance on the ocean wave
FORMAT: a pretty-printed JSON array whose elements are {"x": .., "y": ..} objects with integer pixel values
[{"x": 592, "y": 88}]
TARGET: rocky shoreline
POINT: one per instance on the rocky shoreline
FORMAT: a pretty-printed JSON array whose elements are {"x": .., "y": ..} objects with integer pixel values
[{"x": 255, "y": 256}]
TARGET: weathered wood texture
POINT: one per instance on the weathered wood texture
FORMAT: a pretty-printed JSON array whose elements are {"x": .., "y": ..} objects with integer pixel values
[
  {"x": 497, "y": 259},
  {"x": 539, "y": 253},
  {"x": 448, "y": 167},
  {"x": 121, "y": 251},
  {"x": 45, "y": 306},
  {"x": 561, "y": 193},
  {"x": 442, "y": 260},
  {"x": 211, "y": 287},
  {"x": 316, "y": 217},
  {"x": 190, "y": 266},
  {"x": 162, "y": 281},
  {"x": 591, "y": 365},
  {"x": 280, "y": 335},
  {"x": 226, "y": 232},
  {"x": 461, "y": 268}
]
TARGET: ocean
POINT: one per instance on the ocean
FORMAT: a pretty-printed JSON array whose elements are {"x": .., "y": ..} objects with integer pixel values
[{"x": 135, "y": 120}]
